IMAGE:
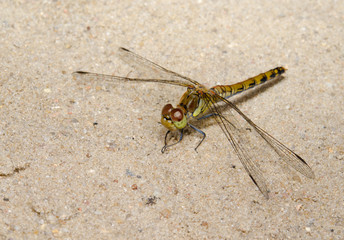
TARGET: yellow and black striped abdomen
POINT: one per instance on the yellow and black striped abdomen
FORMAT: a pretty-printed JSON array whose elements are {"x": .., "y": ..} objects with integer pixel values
[{"x": 227, "y": 91}]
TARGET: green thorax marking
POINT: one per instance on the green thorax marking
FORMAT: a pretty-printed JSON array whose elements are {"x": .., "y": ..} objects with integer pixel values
[{"x": 193, "y": 101}]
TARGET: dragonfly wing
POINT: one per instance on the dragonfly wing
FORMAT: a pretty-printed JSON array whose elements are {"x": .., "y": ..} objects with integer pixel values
[
  {"x": 151, "y": 69},
  {"x": 112, "y": 79},
  {"x": 238, "y": 137},
  {"x": 287, "y": 155},
  {"x": 247, "y": 141}
]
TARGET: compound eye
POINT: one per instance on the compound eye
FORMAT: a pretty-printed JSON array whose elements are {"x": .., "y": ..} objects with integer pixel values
[
  {"x": 166, "y": 110},
  {"x": 177, "y": 115}
]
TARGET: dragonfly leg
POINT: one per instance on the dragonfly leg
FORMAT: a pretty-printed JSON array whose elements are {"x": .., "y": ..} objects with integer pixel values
[
  {"x": 167, "y": 146},
  {"x": 201, "y": 132}
]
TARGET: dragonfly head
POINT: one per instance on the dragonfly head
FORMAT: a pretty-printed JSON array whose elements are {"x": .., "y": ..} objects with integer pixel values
[{"x": 173, "y": 118}]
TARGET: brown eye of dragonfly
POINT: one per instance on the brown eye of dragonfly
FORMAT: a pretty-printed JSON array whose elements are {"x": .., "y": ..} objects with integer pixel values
[
  {"x": 177, "y": 115},
  {"x": 166, "y": 110}
]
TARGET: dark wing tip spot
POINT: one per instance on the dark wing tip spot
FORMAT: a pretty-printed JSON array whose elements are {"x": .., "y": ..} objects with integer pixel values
[
  {"x": 253, "y": 180},
  {"x": 308, "y": 173},
  {"x": 124, "y": 49},
  {"x": 265, "y": 193},
  {"x": 301, "y": 159},
  {"x": 79, "y": 72}
]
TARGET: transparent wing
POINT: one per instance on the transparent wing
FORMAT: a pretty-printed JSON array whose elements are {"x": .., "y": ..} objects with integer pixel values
[
  {"x": 112, "y": 78},
  {"x": 150, "y": 68},
  {"x": 284, "y": 152},
  {"x": 154, "y": 72},
  {"x": 245, "y": 136},
  {"x": 237, "y": 137}
]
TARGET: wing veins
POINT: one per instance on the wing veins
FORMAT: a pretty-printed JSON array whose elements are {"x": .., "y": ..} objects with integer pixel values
[
  {"x": 287, "y": 155},
  {"x": 137, "y": 61},
  {"x": 251, "y": 168},
  {"x": 112, "y": 78}
]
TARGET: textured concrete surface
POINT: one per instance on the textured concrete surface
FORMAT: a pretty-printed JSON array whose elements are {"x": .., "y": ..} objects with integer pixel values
[{"x": 83, "y": 161}]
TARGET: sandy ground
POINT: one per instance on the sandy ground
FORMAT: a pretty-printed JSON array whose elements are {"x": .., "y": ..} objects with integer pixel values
[{"x": 82, "y": 160}]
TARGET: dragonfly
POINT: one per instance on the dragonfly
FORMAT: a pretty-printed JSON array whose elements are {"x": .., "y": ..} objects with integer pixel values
[{"x": 200, "y": 102}]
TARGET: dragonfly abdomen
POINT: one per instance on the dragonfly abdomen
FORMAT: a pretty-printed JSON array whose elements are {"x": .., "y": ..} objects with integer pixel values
[{"x": 227, "y": 91}]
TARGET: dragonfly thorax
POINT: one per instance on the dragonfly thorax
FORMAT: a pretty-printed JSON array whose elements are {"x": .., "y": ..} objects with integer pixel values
[
  {"x": 193, "y": 101},
  {"x": 173, "y": 118}
]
